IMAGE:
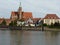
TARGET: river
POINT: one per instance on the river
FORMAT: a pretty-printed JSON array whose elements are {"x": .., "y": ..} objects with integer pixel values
[{"x": 16, "y": 37}]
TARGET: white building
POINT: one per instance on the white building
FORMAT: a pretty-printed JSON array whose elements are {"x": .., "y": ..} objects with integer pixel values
[{"x": 51, "y": 18}]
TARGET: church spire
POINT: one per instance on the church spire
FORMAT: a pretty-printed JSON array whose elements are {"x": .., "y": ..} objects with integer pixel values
[
  {"x": 20, "y": 5},
  {"x": 20, "y": 11}
]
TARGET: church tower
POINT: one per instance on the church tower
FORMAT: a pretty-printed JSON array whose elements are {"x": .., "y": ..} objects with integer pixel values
[{"x": 20, "y": 12}]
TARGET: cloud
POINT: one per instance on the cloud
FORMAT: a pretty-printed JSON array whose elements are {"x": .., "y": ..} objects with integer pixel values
[
  {"x": 42, "y": 6},
  {"x": 39, "y": 8}
]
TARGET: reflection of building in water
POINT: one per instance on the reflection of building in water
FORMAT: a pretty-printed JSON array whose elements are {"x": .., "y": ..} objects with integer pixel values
[
  {"x": 20, "y": 38},
  {"x": 50, "y": 39},
  {"x": 16, "y": 37},
  {"x": 26, "y": 38}
]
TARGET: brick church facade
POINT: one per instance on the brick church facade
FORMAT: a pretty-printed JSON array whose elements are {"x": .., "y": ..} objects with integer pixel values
[{"x": 18, "y": 15}]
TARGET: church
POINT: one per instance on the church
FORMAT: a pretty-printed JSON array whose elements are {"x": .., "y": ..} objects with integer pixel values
[
  {"x": 18, "y": 15},
  {"x": 27, "y": 17}
]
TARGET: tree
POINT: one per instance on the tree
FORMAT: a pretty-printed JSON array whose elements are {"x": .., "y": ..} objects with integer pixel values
[
  {"x": 56, "y": 24},
  {"x": 44, "y": 24},
  {"x": 21, "y": 20},
  {"x": 51, "y": 26},
  {"x": 13, "y": 23},
  {"x": 3, "y": 22}
]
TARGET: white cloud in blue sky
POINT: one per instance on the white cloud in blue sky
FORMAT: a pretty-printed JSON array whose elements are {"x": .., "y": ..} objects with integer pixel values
[{"x": 39, "y": 8}]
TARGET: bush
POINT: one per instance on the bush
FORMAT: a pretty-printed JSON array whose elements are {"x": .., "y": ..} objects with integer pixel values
[
  {"x": 44, "y": 24},
  {"x": 55, "y": 25},
  {"x": 13, "y": 23},
  {"x": 3, "y": 23}
]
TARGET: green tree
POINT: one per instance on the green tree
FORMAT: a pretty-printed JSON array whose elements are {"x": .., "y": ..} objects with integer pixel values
[
  {"x": 57, "y": 24},
  {"x": 11, "y": 24},
  {"x": 3, "y": 22},
  {"x": 21, "y": 20},
  {"x": 51, "y": 26},
  {"x": 44, "y": 24},
  {"x": 15, "y": 23}
]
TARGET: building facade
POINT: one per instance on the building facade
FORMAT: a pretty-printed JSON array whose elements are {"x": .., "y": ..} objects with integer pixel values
[
  {"x": 51, "y": 18},
  {"x": 18, "y": 15}
]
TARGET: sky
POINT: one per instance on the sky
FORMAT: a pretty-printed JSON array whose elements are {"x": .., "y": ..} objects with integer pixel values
[{"x": 39, "y": 8}]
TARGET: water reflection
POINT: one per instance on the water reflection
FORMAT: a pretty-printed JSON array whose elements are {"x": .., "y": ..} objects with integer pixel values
[
  {"x": 51, "y": 38},
  {"x": 20, "y": 37},
  {"x": 4, "y": 37},
  {"x": 26, "y": 38},
  {"x": 17, "y": 37}
]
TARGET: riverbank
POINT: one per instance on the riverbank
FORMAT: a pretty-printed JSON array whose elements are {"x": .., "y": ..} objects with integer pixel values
[
  {"x": 51, "y": 29},
  {"x": 30, "y": 28}
]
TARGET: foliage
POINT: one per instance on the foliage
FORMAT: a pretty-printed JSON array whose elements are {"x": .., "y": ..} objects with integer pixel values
[
  {"x": 55, "y": 25},
  {"x": 13, "y": 23},
  {"x": 21, "y": 20},
  {"x": 44, "y": 24},
  {"x": 3, "y": 22}
]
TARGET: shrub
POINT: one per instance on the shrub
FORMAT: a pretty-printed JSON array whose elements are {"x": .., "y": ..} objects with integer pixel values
[
  {"x": 44, "y": 24},
  {"x": 3, "y": 22}
]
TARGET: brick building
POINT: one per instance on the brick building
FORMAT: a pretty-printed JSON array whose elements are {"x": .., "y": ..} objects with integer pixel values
[{"x": 17, "y": 15}]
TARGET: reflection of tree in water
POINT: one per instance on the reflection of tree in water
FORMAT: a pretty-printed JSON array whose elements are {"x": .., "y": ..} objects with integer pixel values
[
  {"x": 51, "y": 38},
  {"x": 54, "y": 33},
  {"x": 20, "y": 37},
  {"x": 16, "y": 37}
]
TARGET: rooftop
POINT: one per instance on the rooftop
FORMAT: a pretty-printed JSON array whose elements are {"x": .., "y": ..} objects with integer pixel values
[{"x": 51, "y": 16}]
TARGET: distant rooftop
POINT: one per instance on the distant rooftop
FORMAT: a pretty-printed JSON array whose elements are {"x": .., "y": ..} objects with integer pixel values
[{"x": 51, "y": 16}]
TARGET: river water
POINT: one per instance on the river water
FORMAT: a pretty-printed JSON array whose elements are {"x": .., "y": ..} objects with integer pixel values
[{"x": 16, "y": 37}]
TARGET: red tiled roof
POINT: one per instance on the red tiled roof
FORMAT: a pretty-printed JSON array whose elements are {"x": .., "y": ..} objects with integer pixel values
[
  {"x": 14, "y": 13},
  {"x": 51, "y": 16},
  {"x": 1, "y": 19},
  {"x": 25, "y": 19},
  {"x": 27, "y": 15},
  {"x": 7, "y": 20},
  {"x": 35, "y": 19}
]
